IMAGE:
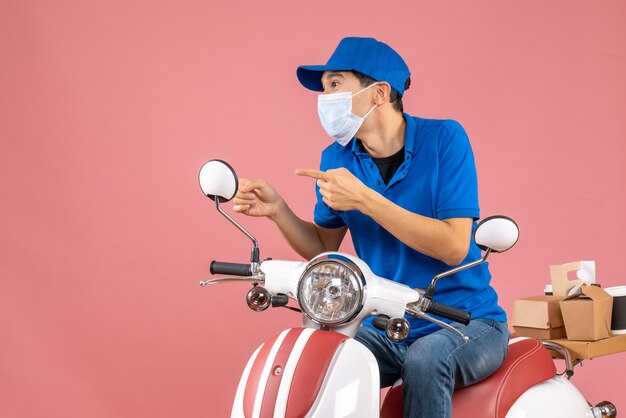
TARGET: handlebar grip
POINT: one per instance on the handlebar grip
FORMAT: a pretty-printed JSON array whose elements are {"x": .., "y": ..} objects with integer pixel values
[
  {"x": 279, "y": 300},
  {"x": 449, "y": 312},
  {"x": 380, "y": 322},
  {"x": 233, "y": 269}
]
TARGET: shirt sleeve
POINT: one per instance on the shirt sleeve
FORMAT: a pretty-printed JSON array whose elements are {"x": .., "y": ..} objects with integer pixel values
[
  {"x": 323, "y": 215},
  {"x": 457, "y": 184}
]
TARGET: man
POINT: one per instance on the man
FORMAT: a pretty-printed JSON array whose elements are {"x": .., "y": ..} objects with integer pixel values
[{"x": 406, "y": 189}]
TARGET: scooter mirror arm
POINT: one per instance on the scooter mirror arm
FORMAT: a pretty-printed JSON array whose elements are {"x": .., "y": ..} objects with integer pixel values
[
  {"x": 254, "y": 254},
  {"x": 564, "y": 352},
  {"x": 431, "y": 288},
  {"x": 413, "y": 310}
]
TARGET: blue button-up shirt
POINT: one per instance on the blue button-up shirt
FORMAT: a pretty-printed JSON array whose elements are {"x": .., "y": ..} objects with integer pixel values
[{"x": 437, "y": 179}]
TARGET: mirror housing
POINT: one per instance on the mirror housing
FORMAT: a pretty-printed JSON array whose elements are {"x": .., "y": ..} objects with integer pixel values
[
  {"x": 497, "y": 233},
  {"x": 218, "y": 180}
]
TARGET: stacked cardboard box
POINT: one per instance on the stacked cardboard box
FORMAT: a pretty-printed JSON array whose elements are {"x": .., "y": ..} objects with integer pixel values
[
  {"x": 578, "y": 311},
  {"x": 538, "y": 317}
]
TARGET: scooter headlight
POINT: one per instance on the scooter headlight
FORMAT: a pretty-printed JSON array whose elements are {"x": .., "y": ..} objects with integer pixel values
[{"x": 330, "y": 290}]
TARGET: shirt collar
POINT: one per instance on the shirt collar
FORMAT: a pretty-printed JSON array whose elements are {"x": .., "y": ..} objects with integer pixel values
[{"x": 410, "y": 132}]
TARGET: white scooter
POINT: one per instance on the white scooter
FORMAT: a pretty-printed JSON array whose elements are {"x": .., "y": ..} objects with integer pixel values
[{"x": 320, "y": 371}]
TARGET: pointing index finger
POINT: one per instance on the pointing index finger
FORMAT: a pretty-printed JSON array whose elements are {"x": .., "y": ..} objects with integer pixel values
[{"x": 309, "y": 172}]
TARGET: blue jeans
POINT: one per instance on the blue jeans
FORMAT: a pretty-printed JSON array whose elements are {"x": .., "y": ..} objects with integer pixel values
[{"x": 432, "y": 366}]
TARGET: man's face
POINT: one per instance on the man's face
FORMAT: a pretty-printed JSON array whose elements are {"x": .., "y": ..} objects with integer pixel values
[
  {"x": 340, "y": 81},
  {"x": 346, "y": 81}
]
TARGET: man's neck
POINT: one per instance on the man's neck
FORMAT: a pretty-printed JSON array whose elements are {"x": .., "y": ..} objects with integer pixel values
[{"x": 385, "y": 134}]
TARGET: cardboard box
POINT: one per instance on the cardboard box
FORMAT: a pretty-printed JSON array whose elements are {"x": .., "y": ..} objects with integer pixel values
[
  {"x": 583, "y": 350},
  {"x": 587, "y": 314},
  {"x": 538, "y": 317}
]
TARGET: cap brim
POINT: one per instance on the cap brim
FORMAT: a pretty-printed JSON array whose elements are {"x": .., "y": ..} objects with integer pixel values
[{"x": 310, "y": 76}]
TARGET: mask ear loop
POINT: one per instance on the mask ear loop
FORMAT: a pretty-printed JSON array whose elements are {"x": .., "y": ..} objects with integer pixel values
[
  {"x": 370, "y": 111},
  {"x": 361, "y": 91}
]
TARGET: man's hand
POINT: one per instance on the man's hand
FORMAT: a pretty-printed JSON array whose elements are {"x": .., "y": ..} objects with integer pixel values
[
  {"x": 257, "y": 198},
  {"x": 339, "y": 188}
]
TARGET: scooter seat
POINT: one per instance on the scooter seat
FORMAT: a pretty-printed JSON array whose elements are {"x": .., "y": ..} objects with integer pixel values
[{"x": 527, "y": 363}]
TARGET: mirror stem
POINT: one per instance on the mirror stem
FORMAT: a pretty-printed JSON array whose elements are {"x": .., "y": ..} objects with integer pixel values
[
  {"x": 431, "y": 289},
  {"x": 254, "y": 256}
]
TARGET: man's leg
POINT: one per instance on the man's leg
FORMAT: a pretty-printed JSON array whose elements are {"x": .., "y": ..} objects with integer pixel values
[
  {"x": 388, "y": 355},
  {"x": 437, "y": 363}
]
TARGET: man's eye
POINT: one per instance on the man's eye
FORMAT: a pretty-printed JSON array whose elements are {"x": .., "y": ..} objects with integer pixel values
[{"x": 333, "y": 84}]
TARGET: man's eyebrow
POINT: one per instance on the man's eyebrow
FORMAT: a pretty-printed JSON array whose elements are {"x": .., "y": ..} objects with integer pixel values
[{"x": 334, "y": 74}]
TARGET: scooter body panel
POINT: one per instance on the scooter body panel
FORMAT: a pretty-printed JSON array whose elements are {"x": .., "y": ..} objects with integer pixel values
[
  {"x": 312, "y": 373},
  {"x": 237, "y": 411},
  {"x": 351, "y": 386},
  {"x": 554, "y": 398}
]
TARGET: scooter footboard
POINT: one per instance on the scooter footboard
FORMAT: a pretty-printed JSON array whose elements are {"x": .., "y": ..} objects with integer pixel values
[{"x": 303, "y": 372}]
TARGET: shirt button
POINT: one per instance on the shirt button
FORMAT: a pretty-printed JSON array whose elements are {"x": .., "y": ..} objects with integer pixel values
[
  {"x": 371, "y": 165},
  {"x": 378, "y": 183}
]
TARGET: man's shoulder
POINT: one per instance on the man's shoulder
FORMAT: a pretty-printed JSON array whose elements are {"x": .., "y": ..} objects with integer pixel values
[
  {"x": 336, "y": 150},
  {"x": 333, "y": 148},
  {"x": 439, "y": 133},
  {"x": 335, "y": 155},
  {"x": 450, "y": 125}
]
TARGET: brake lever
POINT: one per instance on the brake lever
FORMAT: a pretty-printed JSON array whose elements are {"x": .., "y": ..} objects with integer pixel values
[
  {"x": 253, "y": 279},
  {"x": 413, "y": 310}
]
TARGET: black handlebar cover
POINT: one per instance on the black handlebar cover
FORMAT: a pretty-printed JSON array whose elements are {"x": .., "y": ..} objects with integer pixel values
[
  {"x": 232, "y": 269},
  {"x": 449, "y": 312},
  {"x": 380, "y": 322},
  {"x": 279, "y": 300}
]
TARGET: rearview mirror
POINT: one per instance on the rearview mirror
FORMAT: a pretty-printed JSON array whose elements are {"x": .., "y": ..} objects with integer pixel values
[
  {"x": 218, "y": 179},
  {"x": 218, "y": 182},
  {"x": 498, "y": 233}
]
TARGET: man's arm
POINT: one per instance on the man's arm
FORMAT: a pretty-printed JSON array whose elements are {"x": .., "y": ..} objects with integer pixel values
[
  {"x": 307, "y": 238},
  {"x": 446, "y": 240},
  {"x": 258, "y": 198}
]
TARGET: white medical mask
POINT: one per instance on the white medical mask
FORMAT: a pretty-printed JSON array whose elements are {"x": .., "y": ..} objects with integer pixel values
[{"x": 335, "y": 112}]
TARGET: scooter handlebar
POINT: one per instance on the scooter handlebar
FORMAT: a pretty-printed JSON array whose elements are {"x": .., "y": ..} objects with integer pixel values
[
  {"x": 380, "y": 322},
  {"x": 449, "y": 312},
  {"x": 231, "y": 269}
]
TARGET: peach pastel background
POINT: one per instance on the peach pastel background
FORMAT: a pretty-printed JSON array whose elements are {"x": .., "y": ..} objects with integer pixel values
[{"x": 109, "y": 108}]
